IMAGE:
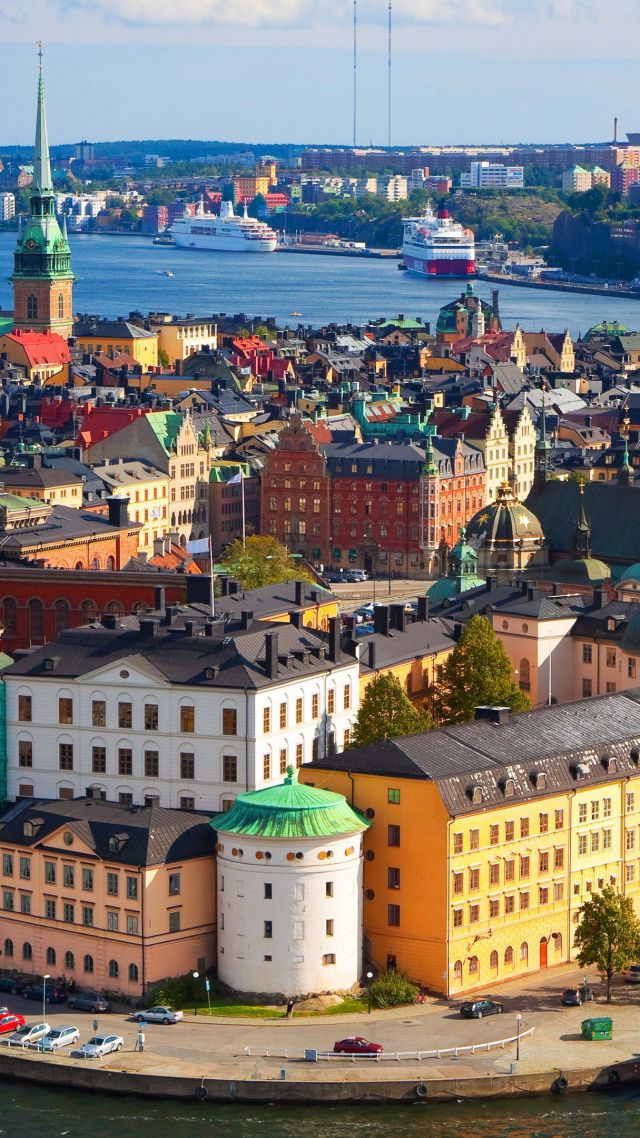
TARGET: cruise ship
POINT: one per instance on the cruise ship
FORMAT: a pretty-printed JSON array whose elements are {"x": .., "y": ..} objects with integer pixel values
[
  {"x": 436, "y": 246},
  {"x": 226, "y": 233}
]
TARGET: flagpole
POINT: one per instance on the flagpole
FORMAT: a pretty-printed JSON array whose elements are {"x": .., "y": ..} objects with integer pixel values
[
  {"x": 211, "y": 576},
  {"x": 242, "y": 494}
]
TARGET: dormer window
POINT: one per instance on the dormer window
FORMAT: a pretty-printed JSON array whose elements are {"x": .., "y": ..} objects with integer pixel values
[
  {"x": 581, "y": 772},
  {"x": 509, "y": 788},
  {"x": 117, "y": 842},
  {"x": 476, "y": 794},
  {"x": 539, "y": 780},
  {"x": 610, "y": 763}
]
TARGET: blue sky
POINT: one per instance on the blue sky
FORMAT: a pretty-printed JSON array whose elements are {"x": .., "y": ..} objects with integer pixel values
[{"x": 281, "y": 70}]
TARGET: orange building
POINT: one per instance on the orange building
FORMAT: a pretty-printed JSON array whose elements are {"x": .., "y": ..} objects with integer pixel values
[{"x": 55, "y": 536}]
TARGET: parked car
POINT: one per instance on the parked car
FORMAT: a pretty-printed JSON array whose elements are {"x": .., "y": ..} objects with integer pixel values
[
  {"x": 632, "y": 975},
  {"x": 100, "y": 1045},
  {"x": 11, "y": 1021},
  {"x": 333, "y": 578},
  {"x": 476, "y": 1009},
  {"x": 60, "y": 1037},
  {"x": 10, "y": 984},
  {"x": 37, "y": 992},
  {"x": 89, "y": 1002},
  {"x": 29, "y": 1033},
  {"x": 571, "y": 998},
  {"x": 159, "y": 1014},
  {"x": 356, "y": 1045},
  {"x": 356, "y": 576}
]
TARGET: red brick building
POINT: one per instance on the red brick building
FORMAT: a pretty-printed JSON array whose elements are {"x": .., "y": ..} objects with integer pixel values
[{"x": 295, "y": 497}]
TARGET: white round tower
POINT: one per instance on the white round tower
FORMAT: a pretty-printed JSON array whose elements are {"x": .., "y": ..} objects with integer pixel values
[{"x": 289, "y": 891}]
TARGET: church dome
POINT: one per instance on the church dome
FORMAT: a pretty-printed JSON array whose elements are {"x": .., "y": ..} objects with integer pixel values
[
  {"x": 631, "y": 573},
  {"x": 581, "y": 571},
  {"x": 505, "y": 522}
]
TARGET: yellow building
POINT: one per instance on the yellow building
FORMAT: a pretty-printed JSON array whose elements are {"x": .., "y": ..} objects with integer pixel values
[
  {"x": 180, "y": 338},
  {"x": 41, "y": 483},
  {"x": 412, "y": 651},
  {"x": 148, "y": 492},
  {"x": 487, "y": 837},
  {"x": 112, "y": 337}
]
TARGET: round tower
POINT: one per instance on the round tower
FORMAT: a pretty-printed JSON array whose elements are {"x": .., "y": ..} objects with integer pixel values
[{"x": 289, "y": 891}]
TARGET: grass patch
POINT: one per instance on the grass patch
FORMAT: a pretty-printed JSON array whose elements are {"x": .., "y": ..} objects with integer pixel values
[{"x": 226, "y": 1007}]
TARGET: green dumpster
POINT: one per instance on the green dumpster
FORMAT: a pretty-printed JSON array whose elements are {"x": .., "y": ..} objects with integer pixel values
[{"x": 601, "y": 1028}]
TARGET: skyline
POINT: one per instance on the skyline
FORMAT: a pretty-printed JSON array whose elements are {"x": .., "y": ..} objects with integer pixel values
[{"x": 467, "y": 71}]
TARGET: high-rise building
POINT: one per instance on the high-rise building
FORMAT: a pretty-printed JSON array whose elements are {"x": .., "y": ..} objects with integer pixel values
[
  {"x": 7, "y": 206},
  {"x": 484, "y": 175},
  {"x": 42, "y": 278}
]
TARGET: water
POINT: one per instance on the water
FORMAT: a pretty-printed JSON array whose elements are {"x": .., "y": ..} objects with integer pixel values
[
  {"x": 38, "y": 1113},
  {"x": 119, "y": 274}
]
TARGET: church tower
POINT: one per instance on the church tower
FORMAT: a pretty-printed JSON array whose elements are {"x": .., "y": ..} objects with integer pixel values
[{"x": 42, "y": 278}]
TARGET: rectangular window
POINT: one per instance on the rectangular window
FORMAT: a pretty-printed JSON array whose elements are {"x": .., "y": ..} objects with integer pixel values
[
  {"x": 25, "y": 708},
  {"x": 393, "y": 796},
  {"x": 189, "y": 803},
  {"x": 328, "y": 927},
  {"x": 328, "y": 888},
  {"x": 509, "y": 903},
  {"x": 187, "y": 766},
  {"x": 494, "y": 874},
  {"x": 268, "y": 891},
  {"x": 524, "y": 827},
  {"x": 393, "y": 915},
  {"x": 510, "y": 870},
  {"x": 558, "y": 858},
  {"x": 174, "y": 884},
  {"x": 582, "y": 812},
  {"x": 68, "y": 913},
  {"x": 630, "y": 839},
  {"x": 458, "y": 883},
  {"x": 582, "y": 843},
  {"x": 132, "y": 888},
  {"x": 606, "y": 839},
  {"x": 268, "y": 930},
  {"x": 50, "y": 872},
  {"x": 544, "y": 823},
  {"x": 595, "y": 811},
  {"x": 151, "y": 717},
  {"x": 631, "y": 668},
  {"x": 595, "y": 842},
  {"x": 132, "y": 925},
  {"x": 393, "y": 877},
  {"x": 347, "y": 697},
  {"x": 229, "y": 768},
  {"x": 87, "y": 915},
  {"x": 543, "y": 862},
  {"x": 266, "y": 720},
  {"x": 474, "y": 879},
  {"x": 299, "y": 755},
  {"x": 25, "y": 868},
  {"x": 229, "y": 721},
  {"x": 606, "y": 807},
  {"x": 87, "y": 880},
  {"x": 112, "y": 922},
  {"x": 283, "y": 760},
  {"x": 174, "y": 922},
  {"x": 631, "y": 798},
  {"x": 99, "y": 760},
  {"x": 509, "y": 831},
  {"x": 474, "y": 839},
  {"x": 65, "y": 710},
  {"x": 152, "y": 764},
  {"x": 266, "y": 766},
  {"x": 65, "y": 756},
  {"x": 7, "y": 864},
  {"x": 524, "y": 901},
  {"x": 587, "y": 689},
  {"x": 587, "y": 653},
  {"x": 331, "y": 701},
  {"x": 25, "y": 904},
  {"x": 474, "y": 914},
  {"x": 50, "y": 910},
  {"x": 393, "y": 835},
  {"x": 315, "y": 705},
  {"x": 457, "y": 918},
  {"x": 610, "y": 658},
  {"x": 68, "y": 876},
  {"x": 299, "y": 710},
  {"x": 494, "y": 907},
  {"x": 112, "y": 884},
  {"x": 524, "y": 866},
  {"x": 188, "y": 720},
  {"x": 125, "y": 761},
  {"x": 329, "y": 958},
  {"x": 543, "y": 895},
  {"x": 457, "y": 843},
  {"x": 494, "y": 835},
  {"x": 98, "y": 713},
  {"x": 283, "y": 715},
  {"x": 125, "y": 714},
  {"x": 558, "y": 891},
  {"x": 559, "y": 817},
  {"x": 25, "y": 753}
]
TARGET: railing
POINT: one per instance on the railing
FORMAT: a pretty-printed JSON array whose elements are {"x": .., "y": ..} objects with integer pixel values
[{"x": 439, "y": 1053}]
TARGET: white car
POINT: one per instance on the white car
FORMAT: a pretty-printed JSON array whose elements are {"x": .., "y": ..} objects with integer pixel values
[
  {"x": 100, "y": 1045},
  {"x": 60, "y": 1037},
  {"x": 159, "y": 1014},
  {"x": 30, "y": 1033}
]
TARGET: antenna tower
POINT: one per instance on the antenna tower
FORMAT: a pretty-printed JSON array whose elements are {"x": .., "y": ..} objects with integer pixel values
[
  {"x": 389, "y": 83},
  {"x": 355, "y": 68}
]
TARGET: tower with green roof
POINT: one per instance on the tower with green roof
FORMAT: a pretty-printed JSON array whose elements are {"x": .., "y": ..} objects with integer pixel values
[
  {"x": 289, "y": 891},
  {"x": 42, "y": 277}
]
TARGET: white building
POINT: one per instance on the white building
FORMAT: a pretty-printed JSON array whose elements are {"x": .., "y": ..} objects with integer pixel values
[
  {"x": 493, "y": 175},
  {"x": 175, "y": 707},
  {"x": 289, "y": 891},
  {"x": 576, "y": 180},
  {"x": 7, "y": 206},
  {"x": 80, "y": 209},
  {"x": 394, "y": 188}
]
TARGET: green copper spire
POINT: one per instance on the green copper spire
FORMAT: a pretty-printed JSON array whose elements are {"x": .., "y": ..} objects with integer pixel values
[{"x": 42, "y": 180}]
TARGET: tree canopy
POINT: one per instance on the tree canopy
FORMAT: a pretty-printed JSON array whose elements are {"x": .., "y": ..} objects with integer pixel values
[
  {"x": 608, "y": 934},
  {"x": 478, "y": 672},
  {"x": 386, "y": 713},
  {"x": 262, "y": 560}
]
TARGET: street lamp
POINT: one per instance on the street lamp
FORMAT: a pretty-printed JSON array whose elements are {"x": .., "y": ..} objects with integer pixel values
[
  {"x": 44, "y": 994},
  {"x": 369, "y": 979},
  {"x": 518, "y": 1023},
  {"x": 195, "y": 976}
]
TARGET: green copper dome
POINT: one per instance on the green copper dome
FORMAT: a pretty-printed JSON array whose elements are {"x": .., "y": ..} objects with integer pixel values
[{"x": 290, "y": 810}]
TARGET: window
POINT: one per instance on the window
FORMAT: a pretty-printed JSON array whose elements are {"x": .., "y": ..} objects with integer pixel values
[
  {"x": 474, "y": 914},
  {"x": 32, "y": 307},
  {"x": 268, "y": 891},
  {"x": 268, "y": 930},
  {"x": 606, "y": 839},
  {"x": 112, "y": 922},
  {"x": 112, "y": 884},
  {"x": 99, "y": 760},
  {"x": 229, "y": 768},
  {"x": 283, "y": 715},
  {"x": 587, "y": 689},
  {"x": 329, "y": 958},
  {"x": 174, "y": 884},
  {"x": 151, "y": 717},
  {"x": 346, "y": 739},
  {"x": 474, "y": 839},
  {"x": 125, "y": 761},
  {"x": 152, "y": 764},
  {"x": 457, "y": 918},
  {"x": 606, "y": 807},
  {"x": 266, "y": 720},
  {"x": 331, "y": 701},
  {"x": 114, "y": 970},
  {"x": 283, "y": 761},
  {"x": 50, "y": 872},
  {"x": 595, "y": 811},
  {"x": 543, "y": 862},
  {"x": 51, "y": 956},
  {"x": 630, "y": 801},
  {"x": 266, "y": 766},
  {"x": 25, "y": 903},
  {"x": 582, "y": 812},
  {"x": 630, "y": 840},
  {"x": 132, "y": 888},
  {"x": 25, "y": 868},
  {"x": 510, "y": 870},
  {"x": 189, "y": 803},
  {"x": 558, "y": 891},
  {"x": 524, "y": 827},
  {"x": 559, "y": 818},
  {"x": 509, "y": 903},
  {"x": 65, "y": 756},
  {"x": 27, "y": 951},
  {"x": 509, "y": 831},
  {"x": 299, "y": 710},
  {"x": 188, "y": 721},
  {"x": 88, "y": 963},
  {"x": 587, "y": 653},
  {"x": 595, "y": 842},
  {"x": 524, "y": 866},
  {"x": 494, "y": 874},
  {"x": 393, "y": 878},
  {"x": 610, "y": 658},
  {"x": 65, "y": 710},
  {"x": 474, "y": 878},
  {"x": 544, "y": 823},
  {"x": 132, "y": 925},
  {"x": 558, "y": 857},
  {"x": 457, "y": 843},
  {"x": 133, "y": 973},
  {"x": 458, "y": 883},
  {"x": 328, "y": 927},
  {"x": 328, "y": 888},
  {"x": 494, "y": 908},
  {"x": 393, "y": 915},
  {"x": 229, "y": 721},
  {"x": 347, "y": 697},
  {"x": 299, "y": 755},
  {"x": 68, "y": 913},
  {"x": 125, "y": 714},
  {"x": 582, "y": 843},
  {"x": 393, "y": 796},
  {"x": 174, "y": 922},
  {"x": 98, "y": 713},
  {"x": 393, "y": 835},
  {"x": 68, "y": 876},
  {"x": 494, "y": 835},
  {"x": 87, "y": 915},
  {"x": 314, "y": 705},
  {"x": 7, "y": 900},
  {"x": 8, "y": 947},
  {"x": 25, "y": 753},
  {"x": 25, "y": 709},
  {"x": 187, "y": 766}
]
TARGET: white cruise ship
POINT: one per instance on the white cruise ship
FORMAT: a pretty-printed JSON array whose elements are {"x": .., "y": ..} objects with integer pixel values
[
  {"x": 436, "y": 246},
  {"x": 226, "y": 233}
]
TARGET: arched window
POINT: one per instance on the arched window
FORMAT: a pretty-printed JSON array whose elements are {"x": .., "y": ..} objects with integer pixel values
[
  {"x": 69, "y": 961},
  {"x": 493, "y": 959},
  {"x": 32, "y": 307},
  {"x": 457, "y": 970},
  {"x": 36, "y": 620},
  {"x": 79, "y": 565},
  {"x": 133, "y": 973},
  {"x": 116, "y": 608},
  {"x": 508, "y": 955},
  {"x": 114, "y": 970},
  {"x": 88, "y": 612},
  {"x": 524, "y": 951},
  {"x": 27, "y": 951},
  {"x": 60, "y": 306},
  {"x": 110, "y": 564},
  {"x": 88, "y": 963},
  {"x": 473, "y": 965},
  {"x": 8, "y": 947},
  {"x": 61, "y": 616},
  {"x": 525, "y": 675},
  {"x": 9, "y": 616},
  {"x": 51, "y": 956}
]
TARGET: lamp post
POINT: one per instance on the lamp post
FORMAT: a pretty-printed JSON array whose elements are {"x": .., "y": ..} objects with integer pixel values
[
  {"x": 518, "y": 1023},
  {"x": 44, "y": 994},
  {"x": 196, "y": 976},
  {"x": 369, "y": 979},
  {"x": 584, "y": 990}
]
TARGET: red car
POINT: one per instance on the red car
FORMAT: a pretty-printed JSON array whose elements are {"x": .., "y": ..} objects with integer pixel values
[
  {"x": 356, "y": 1045},
  {"x": 11, "y": 1022}
]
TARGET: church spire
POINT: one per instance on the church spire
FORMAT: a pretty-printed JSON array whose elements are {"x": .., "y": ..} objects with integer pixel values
[
  {"x": 582, "y": 531},
  {"x": 42, "y": 179}
]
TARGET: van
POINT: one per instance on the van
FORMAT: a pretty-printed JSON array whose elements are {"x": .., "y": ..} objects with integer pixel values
[{"x": 356, "y": 575}]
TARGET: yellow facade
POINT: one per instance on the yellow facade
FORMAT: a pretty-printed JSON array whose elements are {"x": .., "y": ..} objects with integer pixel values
[
  {"x": 417, "y": 675},
  {"x": 181, "y": 339},
  {"x": 143, "y": 349},
  {"x": 66, "y": 494},
  {"x": 148, "y": 492}
]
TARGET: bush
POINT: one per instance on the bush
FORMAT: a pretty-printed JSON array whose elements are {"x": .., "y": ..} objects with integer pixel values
[
  {"x": 390, "y": 989},
  {"x": 182, "y": 992}
]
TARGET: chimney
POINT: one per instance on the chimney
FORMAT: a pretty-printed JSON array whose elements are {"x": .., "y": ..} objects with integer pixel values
[
  {"x": 423, "y": 608},
  {"x": 224, "y": 585},
  {"x": 497, "y": 715},
  {"x": 271, "y": 653},
  {"x": 381, "y": 620},
  {"x": 398, "y": 617},
  {"x": 299, "y": 593},
  {"x": 148, "y": 627},
  {"x": 118, "y": 512},
  {"x": 350, "y": 625},
  {"x": 109, "y": 620},
  {"x": 232, "y": 587},
  {"x": 599, "y": 598},
  {"x": 297, "y": 618},
  {"x": 334, "y": 639},
  {"x": 246, "y": 616},
  {"x": 189, "y": 626},
  {"x": 170, "y": 613},
  {"x": 371, "y": 653},
  {"x": 159, "y": 550},
  {"x": 208, "y": 628},
  {"x": 158, "y": 598}
]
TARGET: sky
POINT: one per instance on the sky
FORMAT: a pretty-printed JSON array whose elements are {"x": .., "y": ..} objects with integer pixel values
[{"x": 463, "y": 71}]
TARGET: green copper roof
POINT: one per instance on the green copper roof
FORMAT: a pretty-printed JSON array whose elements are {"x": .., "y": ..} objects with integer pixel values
[
  {"x": 290, "y": 810},
  {"x": 165, "y": 424},
  {"x": 42, "y": 179}
]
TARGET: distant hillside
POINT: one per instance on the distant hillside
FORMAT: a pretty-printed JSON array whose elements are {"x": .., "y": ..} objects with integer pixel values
[{"x": 586, "y": 244}]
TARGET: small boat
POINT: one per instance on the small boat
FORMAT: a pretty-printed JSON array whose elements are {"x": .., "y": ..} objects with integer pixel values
[
  {"x": 163, "y": 239},
  {"x": 167, "y": 273},
  {"x": 295, "y": 314}
]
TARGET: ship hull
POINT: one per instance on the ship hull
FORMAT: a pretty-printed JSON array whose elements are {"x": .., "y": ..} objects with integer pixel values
[
  {"x": 440, "y": 266},
  {"x": 224, "y": 244}
]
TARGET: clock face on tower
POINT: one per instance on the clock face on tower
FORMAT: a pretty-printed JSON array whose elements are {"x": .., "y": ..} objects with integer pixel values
[{"x": 31, "y": 244}]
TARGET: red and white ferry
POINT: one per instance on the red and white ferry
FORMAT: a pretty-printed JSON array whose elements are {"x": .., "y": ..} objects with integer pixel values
[{"x": 436, "y": 246}]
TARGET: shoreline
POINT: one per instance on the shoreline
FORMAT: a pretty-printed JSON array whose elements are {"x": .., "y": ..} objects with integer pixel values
[{"x": 560, "y": 286}]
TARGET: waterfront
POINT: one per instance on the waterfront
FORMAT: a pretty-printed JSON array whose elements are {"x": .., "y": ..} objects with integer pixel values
[
  {"x": 119, "y": 274},
  {"x": 36, "y": 1113}
]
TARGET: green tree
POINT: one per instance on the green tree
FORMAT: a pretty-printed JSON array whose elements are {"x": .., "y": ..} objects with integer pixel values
[
  {"x": 262, "y": 560},
  {"x": 608, "y": 934},
  {"x": 386, "y": 713},
  {"x": 163, "y": 359},
  {"x": 478, "y": 672}
]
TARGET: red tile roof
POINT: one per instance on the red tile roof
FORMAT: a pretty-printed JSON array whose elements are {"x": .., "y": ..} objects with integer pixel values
[
  {"x": 104, "y": 421},
  {"x": 41, "y": 348}
]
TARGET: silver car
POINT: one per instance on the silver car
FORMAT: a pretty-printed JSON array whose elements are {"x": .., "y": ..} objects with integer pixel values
[
  {"x": 60, "y": 1037},
  {"x": 29, "y": 1034},
  {"x": 159, "y": 1014},
  {"x": 100, "y": 1045}
]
